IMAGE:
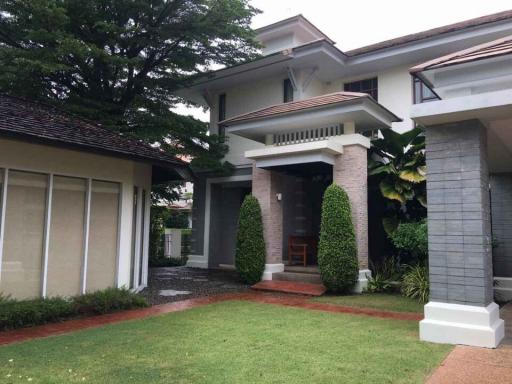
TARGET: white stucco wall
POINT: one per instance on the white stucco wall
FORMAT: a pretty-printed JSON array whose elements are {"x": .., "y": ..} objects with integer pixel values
[{"x": 17, "y": 155}]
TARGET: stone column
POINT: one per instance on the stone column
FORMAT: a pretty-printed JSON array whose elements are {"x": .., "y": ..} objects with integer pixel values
[
  {"x": 266, "y": 185},
  {"x": 461, "y": 308},
  {"x": 350, "y": 173}
]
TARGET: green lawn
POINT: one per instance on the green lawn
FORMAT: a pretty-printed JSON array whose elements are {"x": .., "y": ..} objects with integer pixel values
[
  {"x": 230, "y": 342},
  {"x": 383, "y": 301}
]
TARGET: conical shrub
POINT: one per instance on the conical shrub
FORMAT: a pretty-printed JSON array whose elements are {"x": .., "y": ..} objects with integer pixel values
[
  {"x": 337, "y": 250},
  {"x": 250, "y": 244}
]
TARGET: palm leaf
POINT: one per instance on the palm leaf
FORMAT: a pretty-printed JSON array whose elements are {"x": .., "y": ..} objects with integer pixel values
[
  {"x": 411, "y": 175},
  {"x": 389, "y": 192}
]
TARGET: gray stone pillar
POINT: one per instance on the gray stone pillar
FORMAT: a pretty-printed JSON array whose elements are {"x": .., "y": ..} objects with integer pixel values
[
  {"x": 461, "y": 308},
  {"x": 350, "y": 173},
  {"x": 459, "y": 214},
  {"x": 266, "y": 185}
]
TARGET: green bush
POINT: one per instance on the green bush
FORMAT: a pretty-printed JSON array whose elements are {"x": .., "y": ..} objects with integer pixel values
[
  {"x": 26, "y": 313},
  {"x": 250, "y": 244},
  {"x": 337, "y": 250},
  {"x": 411, "y": 240},
  {"x": 386, "y": 276},
  {"x": 415, "y": 283},
  {"x": 161, "y": 261},
  {"x": 108, "y": 300}
]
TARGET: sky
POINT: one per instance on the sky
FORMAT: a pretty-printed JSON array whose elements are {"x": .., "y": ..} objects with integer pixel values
[{"x": 356, "y": 23}]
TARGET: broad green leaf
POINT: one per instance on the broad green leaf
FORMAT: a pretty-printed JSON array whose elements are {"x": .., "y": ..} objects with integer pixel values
[
  {"x": 411, "y": 175},
  {"x": 389, "y": 192},
  {"x": 390, "y": 224}
]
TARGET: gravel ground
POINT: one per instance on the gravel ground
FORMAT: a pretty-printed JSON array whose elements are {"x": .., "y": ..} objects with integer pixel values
[{"x": 171, "y": 284}]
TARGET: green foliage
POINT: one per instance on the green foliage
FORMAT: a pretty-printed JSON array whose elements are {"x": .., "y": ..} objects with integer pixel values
[
  {"x": 411, "y": 240},
  {"x": 120, "y": 63},
  {"x": 250, "y": 245},
  {"x": 385, "y": 276},
  {"x": 397, "y": 164},
  {"x": 158, "y": 216},
  {"x": 158, "y": 262},
  {"x": 337, "y": 251},
  {"x": 26, "y": 313},
  {"x": 177, "y": 219},
  {"x": 415, "y": 283},
  {"x": 108, "y": 300}
]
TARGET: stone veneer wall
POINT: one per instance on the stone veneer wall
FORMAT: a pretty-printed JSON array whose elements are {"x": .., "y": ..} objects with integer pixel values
[
  {"x": 459, "y": 214},
  {"x": 501, "y": 213},
  {"x": 350, "y": 172}
]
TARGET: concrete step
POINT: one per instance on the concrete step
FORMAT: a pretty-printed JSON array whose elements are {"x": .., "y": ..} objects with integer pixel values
[
  {"x": 300, "y": 277},
  {"x": 290, "y": 287},
  {"x": 299, "y": 268}
]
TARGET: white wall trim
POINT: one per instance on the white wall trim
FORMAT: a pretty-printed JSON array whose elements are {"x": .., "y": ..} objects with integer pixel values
[
  {"x": 2, "y": 215},
  {"x": 201, "y": 261},
  {"x": 362, "y": 281},
  {"x": 270, "y": 269},
  {"x": 145, "y": 243},
  {"x": 462, "y": 324},
  {"x": 119, "y": 224},
  {"x": 87, "y": 222},
  {"x": 47, "y": 225},
  {"x": 138, "y": 239}
]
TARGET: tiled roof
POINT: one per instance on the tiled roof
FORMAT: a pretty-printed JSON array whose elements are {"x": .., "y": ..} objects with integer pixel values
[
  {"x": 294, "y": 106},
  {"x": 495, "y": 17},
  {"x": 489, "y": 50},
  {"x": 36, "y": 122}
]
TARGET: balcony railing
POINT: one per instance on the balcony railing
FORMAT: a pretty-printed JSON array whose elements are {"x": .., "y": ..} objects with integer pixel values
[{"x": 308, "y": 135}]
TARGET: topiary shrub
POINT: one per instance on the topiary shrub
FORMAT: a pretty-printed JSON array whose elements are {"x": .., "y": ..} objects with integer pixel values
[
  {"x": 337, "y": 250},
  {"x": 108, "y": 300},
  {"x": 250, "y": 244},
  {"x": 411, "y": 240}
]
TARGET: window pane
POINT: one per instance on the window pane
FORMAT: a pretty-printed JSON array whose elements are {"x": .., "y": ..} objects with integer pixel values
[
  {"x": 103, "y": 229},
  {"x": 287, "y": 91},
  {"x": 142, "y": 243},
  {"x": 66, "y": 251},
  {"x": 24, "y": 234}
]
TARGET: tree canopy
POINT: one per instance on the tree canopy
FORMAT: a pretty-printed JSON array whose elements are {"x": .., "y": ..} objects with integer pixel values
[{"x": 119, "y": 62}]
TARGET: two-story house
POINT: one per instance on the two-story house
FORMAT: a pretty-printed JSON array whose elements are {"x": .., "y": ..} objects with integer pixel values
[{"x": 301, "y": 117}]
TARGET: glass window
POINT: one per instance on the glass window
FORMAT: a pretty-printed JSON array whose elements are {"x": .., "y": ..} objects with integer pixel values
[
  {"x": 103, "y": 233},
  {"x": 135, "y": 219},
  {"x": 142, "y": 239},
  {"x": 66, "y": 248},
  {"x": 24, "y": 234},
  {"x": 287, "y": 91},
  {"x": 369, "y": 86},
  {"x": 222, "y": 113},
  {"x": 422, "y": 93}
]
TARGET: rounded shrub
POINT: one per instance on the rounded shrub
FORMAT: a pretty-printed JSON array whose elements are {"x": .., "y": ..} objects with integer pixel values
[
  {"x": 250, "y": 245},
  {"x": 337, "y": 250}
]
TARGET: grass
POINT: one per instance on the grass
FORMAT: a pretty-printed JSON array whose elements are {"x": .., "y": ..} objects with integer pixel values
[
  {"x": 230, "y": 342},
  {"x": 382, "y": 301}
]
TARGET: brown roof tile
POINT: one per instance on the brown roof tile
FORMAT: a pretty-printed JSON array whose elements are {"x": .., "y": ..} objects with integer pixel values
[
  {"x": 294, "y": 106},
  {"x": 495, "y": 17},
  {"x": 488, "y": 50},
  {"x": 45, "y": 124}
]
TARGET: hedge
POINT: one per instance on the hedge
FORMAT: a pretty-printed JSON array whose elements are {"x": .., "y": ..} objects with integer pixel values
[
  {"x": 337, "y": 250},
  {"x": 27, "y": 313},
  {"x": 250, "y": 244}
]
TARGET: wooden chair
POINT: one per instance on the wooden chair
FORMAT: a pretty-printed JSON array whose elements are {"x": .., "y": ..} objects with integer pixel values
[{"x": 298, "y": 246}]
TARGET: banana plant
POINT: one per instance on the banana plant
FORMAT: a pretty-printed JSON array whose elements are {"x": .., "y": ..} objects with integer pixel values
[{"x": 397, "y": 160}]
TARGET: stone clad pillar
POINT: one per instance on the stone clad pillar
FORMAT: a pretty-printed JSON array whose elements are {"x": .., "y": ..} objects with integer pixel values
[
  {"x": 461, "y": 308},
  {"x": 265, "y": 187},
  {"x": 350, "y": 171}
]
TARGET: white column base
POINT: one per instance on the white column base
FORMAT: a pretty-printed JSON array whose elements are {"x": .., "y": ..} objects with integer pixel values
[
  {"x": 197, "y": 261},
  {"x": 270, "y": 269},
  {"x": 462, "y": 324},
  {"x": 362, "y": 281}
]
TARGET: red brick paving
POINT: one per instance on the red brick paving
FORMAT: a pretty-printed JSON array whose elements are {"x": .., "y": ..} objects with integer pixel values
[
  {"x": 471, "y": 365},
  {"x": 290, "y": 287},
  {"x": 19, "y": 335}
]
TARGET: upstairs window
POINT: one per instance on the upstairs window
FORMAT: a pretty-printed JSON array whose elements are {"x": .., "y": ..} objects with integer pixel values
[
  {"x": 222, "y": 113},
  {"x": 422, "y": 93},
  {"x": 287, "y": 91},
  {"x": 369, "y": 86}
]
